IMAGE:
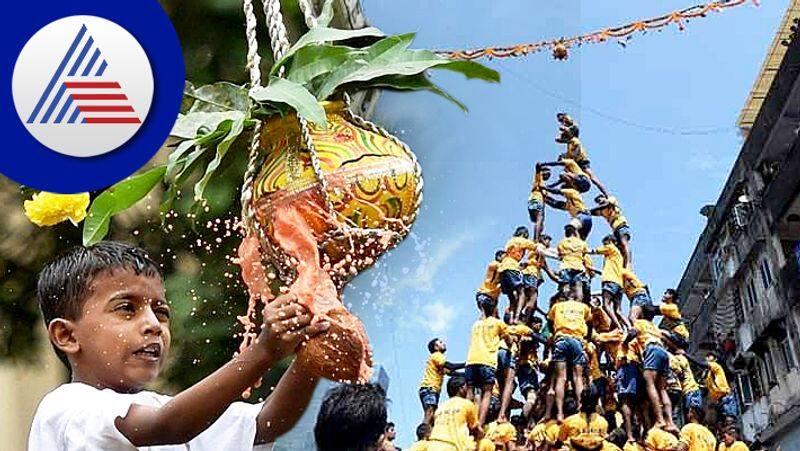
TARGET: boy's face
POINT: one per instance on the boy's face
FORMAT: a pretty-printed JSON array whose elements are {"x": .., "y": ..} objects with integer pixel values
[{"x": 123, "y": 335}]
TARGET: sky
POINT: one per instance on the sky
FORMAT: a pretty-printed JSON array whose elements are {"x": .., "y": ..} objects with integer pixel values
[{"x": 635, "y": 106}]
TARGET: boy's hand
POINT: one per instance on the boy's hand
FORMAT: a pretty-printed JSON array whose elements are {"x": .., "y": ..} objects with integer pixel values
[{"x": 286, "y": 324}]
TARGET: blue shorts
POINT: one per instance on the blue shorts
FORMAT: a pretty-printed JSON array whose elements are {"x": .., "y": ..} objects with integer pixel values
[
  {"x": 628, "y": 380},
  {"x": 428, "y": 397},
  {"x": 570, "y": 350},
  {"x": 728, "y": 406},
  {"x": 623, "y": 230},
  {"x": 531, "y": 281},
  {"x": 480, "y": 375},
  {"x": 505, "y": 360},
  {"x": 510, "y": 281},
  {"x": 528, "y": 379},
  {"x": 613, "y": 289},
  {"x": 693, "y": 399},
  {"x": 656, "y": 359},
  {"x": 585, "y": 220},
  {"x": 572, "y": 276},
  {"x": 535, "y": 209},
  {"x": 582, "y": 183},
  {"x": 641, "y": 299}
]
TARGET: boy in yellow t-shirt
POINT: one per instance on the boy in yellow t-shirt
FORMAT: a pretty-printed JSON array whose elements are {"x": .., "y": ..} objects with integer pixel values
[
  {"x": 694, "y": 436},
  {"x": 611, "y": 277},
  {"x": 431, "y": 384},
  {"x": 572, "y": 177},
  {"x": 637, "y": 293},
  {"x": 659, "y": 439},
  {"x": 512, "y": 283},
  {"x": 572, "y": 204},
  {"x": 532, "y": 276},
  {"x": 692, "y": 396},
  {"x": 608, "y": 207},
  {"x": 536, "y": 200},
  {"x": 719, "y": 391},
  {"x": 577, "y": 152},
  {"x": 730, "y": 443},
  {"x": 423, "y": 436},
  {"x": 568, "y": 320},
  {"x": 456, "y": 419},
  {"x": 672, "y": 321},
  {"x": 490, "y": 287},
  {"x": 585, "y": 422}
]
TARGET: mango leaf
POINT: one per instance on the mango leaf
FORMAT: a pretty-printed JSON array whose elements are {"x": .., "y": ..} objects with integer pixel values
[
  {"x": 115, "y": 199},
  {"x": 220, "y": 96},
  {"x": 326, "y": 15},
  {"x": 176, "y": 156},
  {"x": 190, "y": 125},
  {"x": 293, "y": 94},
  {"x": 222, "y": 149},
  {"x": 471, "y": 70},
  {"x": 318, "y": 59},
  {"x": 320, "y": 34},
  {"x": 419, "y": 82}
]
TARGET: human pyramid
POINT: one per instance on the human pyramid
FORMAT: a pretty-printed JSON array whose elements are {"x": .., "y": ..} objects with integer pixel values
[{"x": 591, "y": 377}]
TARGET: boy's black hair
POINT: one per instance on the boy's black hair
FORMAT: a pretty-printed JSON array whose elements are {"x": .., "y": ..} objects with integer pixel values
[
  {"x": 589, "y": 400},
  {"x": 544, "y": 237},
  {"x": 454, "y": 385},
  {"x": 517, "y": 420},
  {"x": 672, "y": 293},
  {"x": 610, "y": 238},
  {"x": 698, "y": 412},
  {"x": 498, "y": 255},
  {"x": 600, "y": 196},
  {"x": 570, "y": 229},
  {"x": 65, "y": 283},
  {"x": 389, "y": 425},
  {"x": 570, "y": 405},
  {"x": 423, "y": 431},
  {"x": 521, "y": 230},
  {"x": 432, "y": 345},
  {"x": 352, "y": 417},
  {"x": 537, "y": 320},
  {"x": 487, "y": 305}
]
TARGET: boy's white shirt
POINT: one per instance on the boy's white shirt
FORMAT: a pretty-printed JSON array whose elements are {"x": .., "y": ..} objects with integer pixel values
[{"x": 79, "y": 417}]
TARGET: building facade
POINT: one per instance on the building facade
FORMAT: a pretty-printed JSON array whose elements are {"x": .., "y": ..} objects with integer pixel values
[{"x": 740, "y": 290}]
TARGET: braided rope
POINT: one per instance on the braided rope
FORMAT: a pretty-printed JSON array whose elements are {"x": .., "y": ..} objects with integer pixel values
[
  {"x": 308, "y": 13},
  {"x": 254, "y": 67}
]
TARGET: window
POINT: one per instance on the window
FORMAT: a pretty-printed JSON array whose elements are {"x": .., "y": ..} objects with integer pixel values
[
  {"x": 770, "y": 369},
  {"x": 766, "y": 274},
  {"x": 745, "y": 390},
  {"x": 788, "y": 353},
  {"x": 738, "y": 307},
  {"x": 751, "y": 294},
  {"x": 755, "y": 382}
]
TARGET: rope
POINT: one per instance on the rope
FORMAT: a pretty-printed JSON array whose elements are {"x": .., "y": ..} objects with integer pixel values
[
  {"x": 308, "y": 13},
  {"x": 678, "y": 18},
  {"x": 254, "y": 67}
]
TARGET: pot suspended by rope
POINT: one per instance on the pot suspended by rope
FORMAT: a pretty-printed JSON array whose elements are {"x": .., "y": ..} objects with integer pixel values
[{"x": 317, "y": 238}]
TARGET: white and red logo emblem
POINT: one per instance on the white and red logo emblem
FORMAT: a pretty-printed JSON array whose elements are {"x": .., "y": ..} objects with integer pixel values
[{"x": 82, "y": 86}]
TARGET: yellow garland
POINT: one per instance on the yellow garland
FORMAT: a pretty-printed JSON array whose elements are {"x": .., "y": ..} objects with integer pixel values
[{"x": 47, "y": 209}]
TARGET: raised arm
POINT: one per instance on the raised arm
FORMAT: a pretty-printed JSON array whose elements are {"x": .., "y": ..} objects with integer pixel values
[{"x": 191, "y": 412}]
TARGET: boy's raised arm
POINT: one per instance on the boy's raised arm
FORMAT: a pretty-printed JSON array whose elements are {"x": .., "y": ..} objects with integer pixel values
[
  {"x": 192, "y": 411},
  {"x": 284, "y": 407}
]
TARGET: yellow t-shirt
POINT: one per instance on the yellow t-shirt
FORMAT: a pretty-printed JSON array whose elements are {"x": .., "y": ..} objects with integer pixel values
[
  {"x": 613, "y": 213},
  {"x": 612, "y": 263},
  {"x": 536, "y": 188},
  {"x": 594, "y": 362},
  {"x": 572, "y": 167},
  {"x": 485, "y": 341},
  {"x": 648, "y": 333},
  {"x": 698, "y": 437},
  {"x": 434, "y": 372},
  {"x": 570, "y": 319},
  {"x": 608, "y": 446},
  {"x": 421, "y": 445},
  {"x": 660, "y": 440},
  {"x": 680, "y": 366},
  {"x": 486, "y": 445},
  {"x": 575, "y": 425},
  {"x": 574, "y": 201},
  {"x": 515, "y": 250},
  {"x": 735, "y": 446},
  {"x": 491, "y": 282},
  {"x": 681, "y": 330},
  {"x": 576, "y": 151},
  {"x": 670, "y": 311},
  {"x": 572, "y": 252},
  {"x": 632, "y": 446},
  {"x": 501, "y": 433},
  {"x": 536, "y": 261},
  {"x": 631, "y": 284},
  {"x": 545, "y": 432},
  {"x": 717, "y": 382},
  {"x": 453, "y": 421}
]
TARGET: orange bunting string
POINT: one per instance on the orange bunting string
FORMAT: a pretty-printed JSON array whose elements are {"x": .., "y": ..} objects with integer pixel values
[{"x": 557, "y": 46}]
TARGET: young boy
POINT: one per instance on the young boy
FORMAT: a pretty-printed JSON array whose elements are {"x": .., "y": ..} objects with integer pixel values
[
  {"x": 638, "y": 294},
  {"x": 730, "y": 443},
  {"x": 352, "y": 416},
  {"x": 672, "y": 322},
  {"x": 527, "y": 364},
  {"x": 576, "y": 265},
  {"x": 108, "y": 320},
  {"x": 511, "y": 280},
  {"x": 690, "y": 389},
  {"x": 431, "y": 384},
  {"x": 536, "y": 200},
  {"x": 577, "y": 152},
  {"x": 611, "y": 277},
  {"x": 568, "y": 123},
  {"x": 532, "y": 277},
  {"x": 694, "y": 436},
  {"x": 585, "y": 422},
  {"x": 572, "y": 177},
  {"x": 719, "y": 392},
  {"x": 568, "y": 320},
  {"x": 572, "y": 204},
  {"x": 490, "y": 287},
  {"x": 423, "y": 436},
  {"x": 609, "y": 208},
  {"x": 455, "y": 420}
]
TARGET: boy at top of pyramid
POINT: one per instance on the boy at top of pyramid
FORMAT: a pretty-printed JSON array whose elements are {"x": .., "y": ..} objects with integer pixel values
[
  {"x": 573, "y": 204},
  {"x": 108, "y": 319},
  {"x": 576, "y": 151}
]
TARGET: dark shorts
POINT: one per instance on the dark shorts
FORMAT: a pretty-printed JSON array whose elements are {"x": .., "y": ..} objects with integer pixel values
[
  {"x": 480, "y": 375},
  {"x": 494, "y": 408},
  {"x": 428, "y": 397},
  {"x": 572, "y": 276},
  {"x": 505, "y": 360},
  {"x": 677, "y": 340},
  {"x": 623, "y": 230},
  {"x": 531, "y": 281},
  {"x": 628, "y": 380},
  {"x": 656, "y": 359},
  {"x": 569, "y": 350},
  {"x": 641, "y": 299},
  {"x": 586, "y": 224},
  {"x": 613, "y": 289},
  {"x": 528, "y": 379},
  {"x": 510, "y": 281},
  {"x": 481, "y": 298},
  {"x": 600, "y": 387},
  {"x": 728, "y": 407},
  {"x": 584, "y": 164},
  {"x": 535, "y": 209},
  {"x": 693, "y": 399},
  {"x": 582, "y": 183}
]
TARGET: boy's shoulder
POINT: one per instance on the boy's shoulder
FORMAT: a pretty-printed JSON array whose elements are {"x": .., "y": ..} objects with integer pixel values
[{"x": 76, "y": 397}]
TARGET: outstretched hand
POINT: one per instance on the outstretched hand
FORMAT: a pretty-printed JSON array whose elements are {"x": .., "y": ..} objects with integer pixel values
[{"x": 286, "y": 324}]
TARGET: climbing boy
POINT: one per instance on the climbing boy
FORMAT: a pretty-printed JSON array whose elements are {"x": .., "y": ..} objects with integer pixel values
[
  {"x": 576, "y": 151},
  {"x": 532, "y": 277},
  {"x": 576, "y": 266},
  {"x": 455, "y": 420},
  {"x": 572, "y": 204},
  {"x": 572, "y": 176},
  {"x": 608, "y": 207},
  {"x": 568, "y": 320},
  {"x": 431, "y": 384},
  {"x": 611, "y": 277},
  {"x": 719, "y": 392},
  {"x": 512, "y": 283},
  {"x": 536, "y": 200},
  {"x": 108, "y": 319},
  {"x": 490, "y": 287},
  {"x": 638, "y": 294}
]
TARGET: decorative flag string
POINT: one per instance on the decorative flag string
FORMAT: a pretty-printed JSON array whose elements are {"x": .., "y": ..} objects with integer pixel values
[{"x": 560, "y": 47}]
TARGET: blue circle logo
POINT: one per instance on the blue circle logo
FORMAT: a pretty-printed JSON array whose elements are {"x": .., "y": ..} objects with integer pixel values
[{"x": 95, "y": 92}]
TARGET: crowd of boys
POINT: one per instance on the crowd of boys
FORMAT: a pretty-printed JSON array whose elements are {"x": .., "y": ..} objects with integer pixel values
[{"x": 590, "y": 377}]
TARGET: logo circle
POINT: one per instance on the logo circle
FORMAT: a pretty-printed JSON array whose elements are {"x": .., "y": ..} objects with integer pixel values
[
  {"x": 119, "y": 124},
  {"x": 82, "y": 86}
]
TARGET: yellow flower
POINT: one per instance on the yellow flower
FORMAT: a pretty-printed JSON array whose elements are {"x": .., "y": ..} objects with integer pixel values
[{"x": 46, "y": 209}]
